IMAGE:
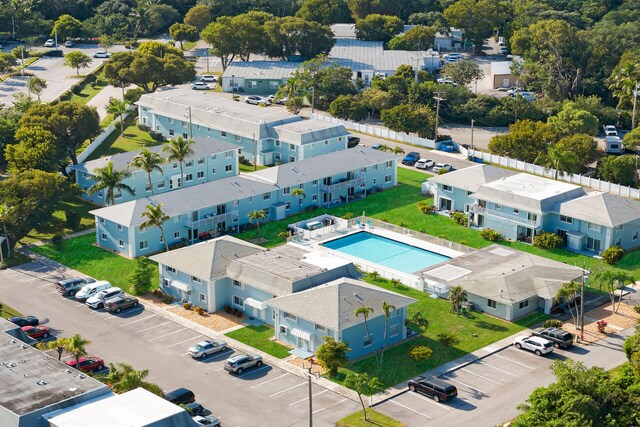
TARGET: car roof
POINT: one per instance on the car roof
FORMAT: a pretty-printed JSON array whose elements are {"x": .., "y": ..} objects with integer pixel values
[
  {"x": 180, "y": 390},
  {"x": 435, "y": 381},
  {"x": 538, "y": 340}
]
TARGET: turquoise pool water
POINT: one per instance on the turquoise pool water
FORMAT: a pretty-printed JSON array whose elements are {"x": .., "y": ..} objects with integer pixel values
[{"x": 384, "y": 251}]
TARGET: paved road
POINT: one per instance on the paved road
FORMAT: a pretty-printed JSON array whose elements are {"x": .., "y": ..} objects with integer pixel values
[{"x": 267, "y": 396}]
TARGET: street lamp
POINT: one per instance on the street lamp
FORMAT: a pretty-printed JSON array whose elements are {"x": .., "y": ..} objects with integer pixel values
[
  {"x": 233, "y": 87},
  {"x": 438, "y": 99},
  {"x": 188, "y": 115}
]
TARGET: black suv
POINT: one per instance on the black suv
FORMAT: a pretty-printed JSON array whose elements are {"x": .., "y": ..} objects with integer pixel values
[
  {"x": 559, "y": 337},
  {"x": 69, "y": 287},
  {"x": 180, "y": 396},
  {"x": 434, "y": 388},
  {"x": 352, "y": 141}
]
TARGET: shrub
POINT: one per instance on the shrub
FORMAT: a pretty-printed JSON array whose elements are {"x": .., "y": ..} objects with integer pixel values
[
  {"x": 491, "y": 235},
  {"x": 101, "y": 82},
  {"x": 168, "y": 299},
  {"x": 156, "y": 136},
  {"x": 459, "y": 218},
  {"x": 57, "y": 241},
  {"x": 613, "y": 254},
  {"x": 448, "y": 339},
  {"x": 157, "y": 292},
  {"x": 552, "y": 323},
  {"x": 76, "y": 89},
  {"x": 199, "y": 310},
  {"x": 133, "y": 95},
  {"x": 420, "y": 352},
  {"x": 236, "y": 98},
  {"x": 143, "y": 127},
  {"x": 636, "y": 308},
  {"x": 374, "y": 275},
  {"x": 227, "y": 309},
  {"x": 347, "y": 215},
  {"x": 140, "y": 278},
  {"x": 187, "y": 306},
  {"x": 442, "y": 171},
  {"x": 73, "y": 219},
  {"x": 91, "y": 78},
  {"x": 425, "y": 207},
  {"x": 547, "y": 241}
]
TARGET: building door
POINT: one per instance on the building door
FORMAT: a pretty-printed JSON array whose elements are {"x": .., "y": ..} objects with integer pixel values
[
  {"x": 480, "y": 219},
  {"x": 506, "y": 82},
  {"x": 445, "y": 204},
  {"x": 562, "y": 233},
  {"x": 303, "y": 344},
  {"x": 593, "y": 244}
]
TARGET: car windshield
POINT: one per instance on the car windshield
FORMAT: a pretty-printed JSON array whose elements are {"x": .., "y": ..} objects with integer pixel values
[{"x": 547, "y": 344}]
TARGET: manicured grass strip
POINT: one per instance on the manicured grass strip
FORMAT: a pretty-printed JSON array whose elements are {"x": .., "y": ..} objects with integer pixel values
[
  {"x": 133, "y": 139},
  {"x": 80, "y": 254},
  {"x": 88, "y": 91},
  {"x": 260, "y": 337},
  {"x": 375, "y": 419},
  {"x": 7, "y": 312},
  {"x": 249, "y": 168}
]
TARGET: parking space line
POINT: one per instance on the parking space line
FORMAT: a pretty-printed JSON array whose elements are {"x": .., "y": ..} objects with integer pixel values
[
  {"x": 497, "y": 369},
  {"x": 151, "y": 327},
  {"x": 116, "y": 316},
  {"x": 272, "y": 379},
  {"x": 249, "y": 372},
  {"x": 330, "y": 406},
  {"x": 181, "y": 342},
  {"x": 137, "y": 320},
  {"x": 412, "y": 410},
  {"x": 217, "y": 370},
  {"x": 307, "y": 398},
  {"x": 466, "y": 385},
  {"x": 45, "y": 285},
  {"x": 287, "y": 389},
  {"x": 165, "y": 335},
  {"x": 481, "y": 376},
  {"x": 53, "y": 292},
  {"x": 511, "y": 360},
  {"x": 415, "y": 394}
]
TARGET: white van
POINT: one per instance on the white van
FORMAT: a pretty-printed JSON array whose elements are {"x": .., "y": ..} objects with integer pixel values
[{"x": 91, "y": 289}]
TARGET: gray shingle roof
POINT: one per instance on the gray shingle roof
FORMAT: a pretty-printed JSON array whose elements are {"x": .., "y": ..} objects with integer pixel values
[
  {"x": 322, "y": 166},
  {"x": 309, "y": 131},
  {"x": 207, "y": 260},
  {"x": 203, "y": 147},
  {"x": 602, "y": 208},
  {"x": 472, "y": 178},
  {"x": 333, "y": 305},
  {"x": 267, "y": 70}
]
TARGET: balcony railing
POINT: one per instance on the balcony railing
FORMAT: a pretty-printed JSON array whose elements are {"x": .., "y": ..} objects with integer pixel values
[
  {"x": 343, "y": 185},
  {"x": 213, "y": 220},
  {"x": 477, "y": 209}
]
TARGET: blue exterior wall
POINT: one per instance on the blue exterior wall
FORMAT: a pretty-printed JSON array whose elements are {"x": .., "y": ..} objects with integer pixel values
[
  {"x": 459, "y": 197},
  {"x": 244, "y": 291},
  {"x": 356, "y": 335},
  {"x": 284, "y": 326}
]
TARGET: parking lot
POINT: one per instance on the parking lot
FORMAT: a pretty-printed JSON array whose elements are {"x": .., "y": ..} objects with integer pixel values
[{"x": 264, "y": 396}]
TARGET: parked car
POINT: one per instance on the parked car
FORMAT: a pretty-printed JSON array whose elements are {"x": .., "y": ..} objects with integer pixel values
[
  {"x": 57, "y": 53},
  {"x": 98, "y": 300},
  {"x": 25, "y": 321},
  {"x": 376, "y": 146},
  {"x": 241, "y": 362},
  {"x": 69, "y": 287},
  {"x": 36, "y": 332},
  {"x": 207, "y": 347},
  {"x": 193, "y": 408},
  {"x": 559, "y": 337},
  {"x": 447, "y": 147},
  {"x": 209, "y": 78},
  {"x": 411, "y": 158},
  {"x": 50, "y": 43},
  {"x": 442, "y": 166},
  {"x": 207, "y": 420},
  {"x": 281, "y": 101},
  {"x": 527, "y": 96},
  {"x": 454, "y": 55},
  {"x": 434, "y": 388},
  {"x": 352, "y": 141},
  {"x": 425, "y": 163},
  {"x": 68, "y": 43},
  {"x": 200, "y": 86},
  {"x": 537, "y": 345},
  {"x": 514, "y": 90},
  {"x": 88, "y": 364},
  {"x": 87, "y": 291},
  {"x": 256, "y": 100},
  {"x": 101, "y": 54},
  {"x": 504, "y": 51},
  {"x": 119, "y": 303},
  {"x": 446, "y": 81},
  {"x": 610, "y": 130},
  {"x": 180, "y": 396}
]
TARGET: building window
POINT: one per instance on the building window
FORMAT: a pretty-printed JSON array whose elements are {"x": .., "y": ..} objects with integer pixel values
[
  {"x": 634, "y": 237},
  {"x": 387, "y": 179},
  {"x": 200, "y": 174},
  {"x": 469, "y": 193},
  {"x": 292, "y": 159},
  {"x": 319, "y": 328},
  {"x": 566, "y": 219},
  {"x": 201, "y": 161},
  {"x": 104, "y": 236},
  {"x": 174, "y": 165},
  {"x": 395, "y": 313},
  {"x": 523, "y": 304},
  {"x": 516, "y": 211},
  {"x": 160, "y": 185},
  {"x": 619, "y": 227},
  {"x": 228, "y": 168},
  {"x": 171, "y": 132},
  {"x": 144, "y": 244},
  {"x": 250, "y": 200},
  {"x": 286, "y": 190},
  {"x": 277, "y": 143},
  {"x": 252, "y": 84},
  {"x": 287, "y": 205},
  {"x": 447, "y": 188},
  {"x": 498, "y": 207},
  {"x": 367, "y": 341},
  {"x": 266, "y": 196},
  {"x": 388, "y": 164},
  {"x": 223, "y": 133},
  {"x": 203, "y": 298},
  {"x": 185, "y": 135},
  {"x": 532, "y": 216},
  {"x": 292, "y": 147},
  {"x": 326, "y": 143},
  {"x": 189, "y": 163},
  {"x": 314, "y": 198},
  {"x": 188, "y": 177},
  {"x": 619, "y": 242},
  {"x": 119, "y": 227},
  {"x": 121, "y": 243},
  {"x": 594, "y": 227},
  {"x": 394, "y": 330},
  {"x": 314, "y": 182},
  {"x": 228, "y": 154},
  {"x": 194, "y": 279},
  {"x": 101, "y": 220},
  {"x": 283, "y": 330},
  {"x": 237, "y": 284},
  {"x": 238, "y": 301},
  {"x": 491, "y": 303},
  {"x": 277, "y": 156},
  {"x": 170, "y": 121},
  {"x": 290, "y": 316},
  {"x": 169, "y": 269},
  {"x": 176, "y": 235},
  {"x": 236, "y": 138}
]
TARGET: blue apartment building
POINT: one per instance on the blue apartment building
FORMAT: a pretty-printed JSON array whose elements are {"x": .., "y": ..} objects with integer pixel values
[
  {"x": 264, "y": 135},
  {"x": 222, "y": 206}
]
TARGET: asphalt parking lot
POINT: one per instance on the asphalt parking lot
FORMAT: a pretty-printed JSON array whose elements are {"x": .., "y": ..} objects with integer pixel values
[{"x": 264, "y": 396}]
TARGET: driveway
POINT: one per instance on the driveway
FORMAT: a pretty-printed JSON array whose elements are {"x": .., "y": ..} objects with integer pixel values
[{"x": 265, "y": 396}]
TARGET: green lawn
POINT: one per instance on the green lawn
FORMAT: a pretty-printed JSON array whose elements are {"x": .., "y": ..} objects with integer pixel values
[
  {"x": 249, "y": 168},
  {"x": 81, "y": 254},
  {"x": 375, "y": 419},
  {"x": 260, "y": 337},
  {"x": 134, "y": 139},
  {"x": 7, "y": 312},
  {"x": 187, "y": 45},
  {"x": 88, "y": 92}
]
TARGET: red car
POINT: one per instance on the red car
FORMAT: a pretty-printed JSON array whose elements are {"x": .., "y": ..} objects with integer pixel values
[
  {"x": 88, "y": 364},
  {"x": 36, "y": 332}
]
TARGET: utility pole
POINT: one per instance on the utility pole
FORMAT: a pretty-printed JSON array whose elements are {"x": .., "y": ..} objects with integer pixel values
[
  {"x": 472, "y": 122},
  {"x": 438, "y": 99},
  {"x": 582, "y": 305},
  {"x": 309, "y": 375},
  {"x": 22, "y": 59},
  {"x": 206, "y": 55},
  {"x": 635, "y": 100},
  {"x": 313, "y": 99}
]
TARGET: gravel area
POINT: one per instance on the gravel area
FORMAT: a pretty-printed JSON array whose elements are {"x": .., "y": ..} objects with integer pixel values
[
  {"x": 626, "y": 317},
  {"x": 301, "y": 363},
  {"x": 218, "y": 321}
]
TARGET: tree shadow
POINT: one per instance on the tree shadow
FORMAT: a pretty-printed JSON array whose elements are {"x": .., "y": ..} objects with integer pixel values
[{"x": 490, "y": 326}]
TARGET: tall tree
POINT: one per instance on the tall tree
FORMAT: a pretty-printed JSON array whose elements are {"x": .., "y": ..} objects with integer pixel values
[
  {"x": 617, "y": 169},
  {"x": 477, "y": 18},
  {"x": 417, "y": 38},
  {"x": 155, "y": 217},
  {"x": 380, "y": 28},
  {"x": 110, "y": 180},
  {"x": 568, "y": 293},
  {"x": 117, "y": 108},
  {"x": 624, "y": 78},
  {"x": 77, "y": 60},
  {"x": 183, "y": 32},
  {"x": 584, "y": 147},
  {"x": 7, "y": 62},
  {"x": 299, "y": 194},
  {"x": 387, "y": 309},
  {"x": 257, "y": 216},
  {"x": 562, "y": 161},
  {"x": 58, "y": 345},
  {"x": 365, "y": 311},
  {"x": 179, "y": 149},
  {"x": 66, "y": 26},
  {"x": 122, "y": 378},
  {"x": 148, "y": 161},
  {"x": 457, "y": 297},
  {"x": 221, "y": 35},
  {"x": 363, "y": 385},
  {"x": 290, "y": 36},
  {"x": 571, "y": 120},
  {"x": 611, "y": 281},
  {"x": 36, "y": 149},
  {"x": 326, "y": 12},
  {"x": 38, "y": 85},
  {"x": 525, "y": 141},
  {"x": 6, "y": 217},
  {"x": 410, "y": 118},
  {"x": 332, "y": 355},
  {"x": 199, "y": 16},
  {"x": 76, "y": 346},
  {"x": 463, "y": 72}
]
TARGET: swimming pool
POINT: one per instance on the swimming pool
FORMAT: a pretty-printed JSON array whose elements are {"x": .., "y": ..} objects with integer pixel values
[{"x": 384, "y": 251}]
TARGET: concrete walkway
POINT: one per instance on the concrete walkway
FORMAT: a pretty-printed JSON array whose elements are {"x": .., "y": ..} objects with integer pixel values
[{"x": 101, "y": 100}]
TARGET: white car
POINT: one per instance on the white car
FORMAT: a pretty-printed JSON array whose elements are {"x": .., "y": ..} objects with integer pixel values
[
  {"x": 537, "y": 345},
  {"x": 50, "y": 43},
  {"x": 446, "y": 81},
  {"x": 68, "y": 43},
  {"x": 207, "y": 347},
  {"x": 442, "y": 166},
  {"x": 454, "y": 56},
  {"x": 209, "y": 78},
  {"x": 610, "y": 130},
  {"x": 256, "y": 100},
  {"x": 101, "y": 54},
  {"x": 207, "y": 420},
  {"x": 200, "y": 86},
  {"x": 424, "y": 163},
  {"x": 98, "y": 300},
  {"x": 514, "y": 90}
]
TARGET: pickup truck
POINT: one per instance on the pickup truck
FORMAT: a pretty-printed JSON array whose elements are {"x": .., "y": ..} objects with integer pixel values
[
  {"x": 560, "y": 338},
  {"x": 610, "y": 130}
]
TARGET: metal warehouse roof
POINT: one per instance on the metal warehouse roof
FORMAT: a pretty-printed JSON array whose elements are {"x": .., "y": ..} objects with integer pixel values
[{"x": 268, "y": 70}]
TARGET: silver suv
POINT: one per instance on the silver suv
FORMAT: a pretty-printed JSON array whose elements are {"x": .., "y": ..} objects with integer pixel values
[
  {"x": 98, "y": 300},
  {"x": 241, "y": 362}
]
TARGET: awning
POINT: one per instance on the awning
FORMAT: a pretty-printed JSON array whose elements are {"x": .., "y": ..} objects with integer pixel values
[
  {"x": 301, "y": 334},
  {"x": 255, "y": 303},
  {"x": 182, "y": 286}
]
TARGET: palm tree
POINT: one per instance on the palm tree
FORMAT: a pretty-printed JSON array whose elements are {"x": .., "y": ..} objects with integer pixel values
[
  {"x": 178, "y": 150},
  {"x": 386, "y": 309},
  {"x": 365, "y": 312},
  {"x": 109, "y": 179},
  {"x": 122, "y": 378},
  {"x": 397, "y": 150},
  {"x": 148, "y": 161},
  {"x": 299, "y": 193},
  {"x": 612, "y": 280},
  {"x": 257, "y": 216},
  {"x": 569, "y": 292},
  {"x": 117, "y": 108},
  {"x": 457, "y": 296},
  {"x": 384, "y": 147},
  {"x": 623, "y": 81},
  {"x": 560, "y": 159},
  {"x": 6, "y": 215},
  {"x": 58, "y": 345},
  {"x": 76, "y": 347},
  {"x": 155, "y": 217}
]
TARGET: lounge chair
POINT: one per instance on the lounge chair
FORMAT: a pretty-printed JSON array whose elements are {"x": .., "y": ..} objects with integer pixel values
[
  {"x": 369, "y": 224},
  {"x": 359, "y": 224}
]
